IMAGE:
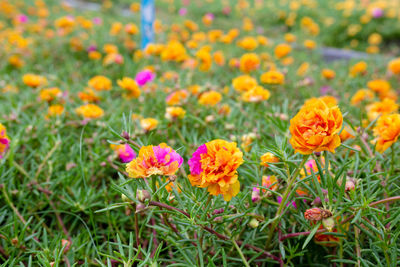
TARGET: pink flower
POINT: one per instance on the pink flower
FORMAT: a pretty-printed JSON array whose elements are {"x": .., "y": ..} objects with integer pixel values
[
  {"x": 166, "y": 155},
  {"x": 21, "y": 18},
  {"x": 293, "y": 203},
  {"x": 97, "y": 21},
  {"x": 126, "y": 153},
  {"x": 377, "y": 13},
  {"x": 183, "y": 11},
  {"x": 255, "y": 195},
  {"x": 194, "y": 162},
  {"x": 144, "y": 77}
]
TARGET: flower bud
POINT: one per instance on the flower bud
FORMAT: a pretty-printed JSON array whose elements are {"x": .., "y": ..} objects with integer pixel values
[
  {"x": 254, "y": 223},
  {"x": 142, "y": 195},
  {"x": 172, "y": 178},
  {"x": 218, "y": 211},
  {"x": 140, "y": 207},
  {"x": 317, "y": 214},
  {"x": 218, "y": 219},
  {"x": 125, "y": 135},
  {"x": 328, "y": 223},
  {"x": 125, "y": 198},
  {"x": 255, "y": 195},
  {"x": 66, "y": 244}
]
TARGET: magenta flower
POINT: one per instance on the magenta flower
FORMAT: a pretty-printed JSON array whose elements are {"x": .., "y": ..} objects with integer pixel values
[
  {"x": 194, "y": 162},
  {"x": 144, "y": 77},
  {"x": 97, "y": 21},
  {"x": 4, "y": 141},
  {"x": 255, "y": 195},
  {"x": 377, "y": 13},
  {"x": 166, "y": 155},
  {"x": 21, "y": 18},
  {"x": 183, "y": 11},
  {"x": 92, "y": 48},
  {"x": 126, "y": 153},
  {"x": 293, "y": 203}
]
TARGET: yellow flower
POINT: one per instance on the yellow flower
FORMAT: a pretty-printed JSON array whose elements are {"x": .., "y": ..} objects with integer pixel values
[
  {"x": 174, "y": 51},
  {"x": 386, "y": 131},
  {"x": 50, "y": 94},
  {"x": 272, "y": 77},
  {"x": 383, "y": 107},
  {"x": 131, "y": 86},
  {"x": 248, "y": 43},
  {"x": 55, "y": 110},
  {"x": 100, "y": 83},
  {"x": 256, "y": 94},
  {"x": 268, "y": 158},
  {"x": 310, "y": 44},
  {"x": 361, "y": 95},
  {"x": 244, "y": 83},
  {"x": 90, "y": 111},
  {"x": 148, "y": 124},
  {"x": 210, "y": 98},
  {"x": 33, "y": 80},
  {"x": 174, "y": 113}
]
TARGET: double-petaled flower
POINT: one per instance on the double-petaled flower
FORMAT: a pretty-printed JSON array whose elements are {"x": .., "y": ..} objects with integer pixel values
[
  {"x": 214, "y": 165},
  {"x": 154, "y": 160}
]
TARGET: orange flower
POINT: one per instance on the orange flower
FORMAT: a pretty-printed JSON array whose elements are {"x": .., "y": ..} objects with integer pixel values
[
  {"x": 379, "y": 86},
  {"x": 148, "y": 124},
  {"x": 90, "y": 111},
  {"x": 33, "y": 80},
  {"x": 358, "y": 68},
  {"x": 394, "y": 66},
  {"x": 315, "y": 128},
  {"x": 174, "y": 51},
  {"x": 257, "y": 94},
  {"x": 54, "y": 110},
  {"x": 176, "y": 97},
  {"x": 154, "y": 160},
  {"x": 214, "y": 165},
  {"x": 50, "y": 94},
  {"x": 330, "y": 101},
  {"x": 386, "y": 106},
  {"x": 282, "y": 50},
  {"x": 361, "y": 95},
  {"x": 328, "y": 74},
  {"x": 272, "y": 77},
  {"x": 131, "y": 86},
  {"x": 310, "y": 44},
  {"x": 249, "y": 62},
  {"x": 100, "y": 83},
  {"x": 174, "y": 113},
  {"x": 244, "y": 83},
  {"x": 387, "y": 131},
  {"x": 210, "y": 98},
  {"x": 346, "y": 134},
  {"x": 88, "y": 95},
  {"x": 248, "y": 43},
  {"x": 268, "y": 158}
]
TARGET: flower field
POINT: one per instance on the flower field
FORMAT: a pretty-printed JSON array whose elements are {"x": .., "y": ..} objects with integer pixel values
[{"x": 232, "y": 139}]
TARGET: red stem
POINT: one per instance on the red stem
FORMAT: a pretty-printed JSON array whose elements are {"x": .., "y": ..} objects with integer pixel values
[{"x": 212, "y": 231}]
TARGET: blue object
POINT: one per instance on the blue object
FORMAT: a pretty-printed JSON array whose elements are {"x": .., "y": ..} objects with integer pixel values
[{"x": 148, "y": 15}]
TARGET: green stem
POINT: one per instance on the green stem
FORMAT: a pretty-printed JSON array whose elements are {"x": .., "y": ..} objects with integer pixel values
[
  {"x": 154, "y": 187},
  {"x": 240, "y": 252},
  {"x": 291, "y": 181}
]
